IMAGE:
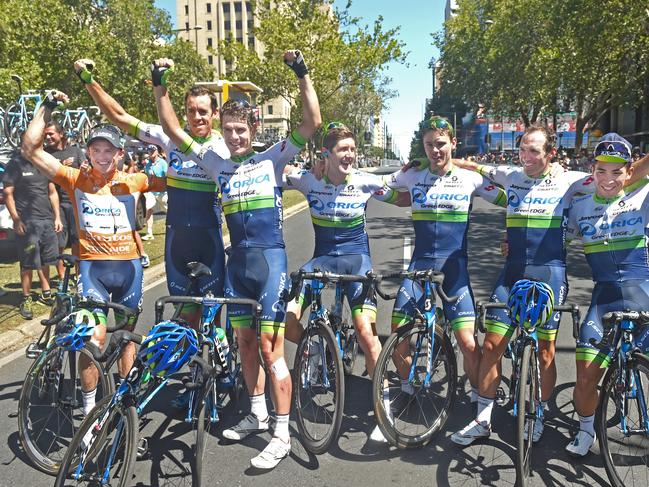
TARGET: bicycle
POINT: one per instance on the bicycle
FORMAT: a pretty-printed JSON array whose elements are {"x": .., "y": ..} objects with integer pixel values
[
  {"x": 325, "y": 354},
  {"x": 622, "y": 416},
  {"x": 415, "y": 380},
  {"x": 106, "y": 445},
  {"x": 525, "y": 381},
  {"x": 77, "y": 123},
  {"x": 49, "y": 407},
  {"x": 18, "y": 114}
]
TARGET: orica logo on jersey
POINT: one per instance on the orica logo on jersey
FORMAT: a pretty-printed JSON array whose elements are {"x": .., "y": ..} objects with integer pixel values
[
  {"x": 315, "y": 203},
  {"x": 587, "y": 229},
  {"x": 629, "y": 222},
  {"x": 88, "y": 209},
  {"x": 246, "y": 183},
  {"x": 176, "y": 162},
  {"x": 224, "y": 184},
  {"x": 418, "y": 196}
]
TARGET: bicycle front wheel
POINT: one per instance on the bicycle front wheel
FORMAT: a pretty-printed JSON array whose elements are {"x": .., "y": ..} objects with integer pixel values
[
  {"x": 319, "y": 390},
  {"x": 414, "y": 385},
  {"x": 13, "y": 124},
  {"x": 527, "y": 407},
  {"x": 50, "y": 405},
  {"x": 205, "y": 413},
  {"x": 623, "y": 423},
  {"x": 103, "y": 450}
]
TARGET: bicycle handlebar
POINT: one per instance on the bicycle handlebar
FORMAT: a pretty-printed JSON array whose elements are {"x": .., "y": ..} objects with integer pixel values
[
  {"x": 573, "y": 309},
  {"x": 117, "y": 340},
  {"x": 161, "y": 302},
  {"x": 612, "y": 319},
  {"x": 89, "y": 303},
  {"x": 430, "y": 275}
]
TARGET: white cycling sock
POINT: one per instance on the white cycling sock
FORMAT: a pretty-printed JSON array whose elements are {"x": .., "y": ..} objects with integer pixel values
[
  {"x": 258, "y": 407},
  {"x": 281, "y": 427},
  {"x": 88, "y": 399},
  {"x": 485, "y": 407},
  {"x": 587, "y": 424}
]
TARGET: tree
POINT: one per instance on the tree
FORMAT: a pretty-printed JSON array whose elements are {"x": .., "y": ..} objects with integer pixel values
[
  {"x": 347, "y": 60},
  {"x": 41, "y": 40}
]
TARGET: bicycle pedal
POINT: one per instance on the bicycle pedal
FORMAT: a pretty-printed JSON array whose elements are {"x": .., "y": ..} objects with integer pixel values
[
  {"x": 33, "y": 350},
  {"x": 502, "y": 398},
  {"x": 142, "y": 448}
]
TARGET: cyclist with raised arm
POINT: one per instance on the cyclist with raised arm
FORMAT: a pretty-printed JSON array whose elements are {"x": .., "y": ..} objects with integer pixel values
[
  {"x": 257, "y": 267},
  {"x": 338, "y": 201},
  {"x": 442, "y": 196},
  {"x": 104, "y": 202},
  {"x": 612, "y": 224},
  {"x": 193, "y": 225}
]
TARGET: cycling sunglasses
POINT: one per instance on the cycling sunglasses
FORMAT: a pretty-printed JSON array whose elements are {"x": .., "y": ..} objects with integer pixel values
[
  {"x": 612, "y": 152},
  {"x": 336, "y": 125},
  {"x": 439, "y": 123}
]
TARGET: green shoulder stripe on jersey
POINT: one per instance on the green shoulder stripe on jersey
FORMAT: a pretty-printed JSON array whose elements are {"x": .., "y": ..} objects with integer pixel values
[
  {"x": 483, "y": 170},
  {"x": 297, "y": 140},
  {"x": 256, "y": 203},
  {"x": 134, "y": 130},
  {"x": 440, "y": 216},
  {"x": 337, "y": 222},
  {"x": 617, "y": 244},
  {"x": 534, "y": 221},
  {"x": 192, "y": 185},
  {"x": 393, "y": 194}
]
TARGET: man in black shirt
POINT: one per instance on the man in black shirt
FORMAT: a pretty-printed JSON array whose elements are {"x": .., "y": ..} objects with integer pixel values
[
  {"x": 33, "y": 204},
  {"x": 69, "y": 155}
]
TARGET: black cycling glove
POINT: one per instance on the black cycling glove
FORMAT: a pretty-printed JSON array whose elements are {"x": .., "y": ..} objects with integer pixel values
[
  {"x": 160, "y": 75},
  {"x": 298, "y": 65}
]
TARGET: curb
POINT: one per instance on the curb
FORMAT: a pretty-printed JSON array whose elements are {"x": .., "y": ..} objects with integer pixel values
[{"x": 12, "y": 340}]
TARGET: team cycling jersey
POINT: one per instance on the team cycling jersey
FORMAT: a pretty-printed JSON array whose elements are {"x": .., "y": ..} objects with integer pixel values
[
  {"x": 105, "y": 211},
  {"x": 251, "y": 190},
  {"x": 441, "y": 207},
  {"x": 535, "y": 211},
  {"x": 614, "y": 233},
  {"x": 193, "y": 199},
  {"x": 338, "y": 211}
]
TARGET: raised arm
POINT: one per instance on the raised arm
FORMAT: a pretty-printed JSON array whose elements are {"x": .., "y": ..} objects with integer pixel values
[
  {"x": 32, "y": 145},
  {"x": 640, "y": 170},
  {"x": 311, "y": 118},
  {"x": 106, "y": 103}
]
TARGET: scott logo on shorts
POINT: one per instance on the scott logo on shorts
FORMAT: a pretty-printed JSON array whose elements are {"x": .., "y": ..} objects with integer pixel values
[{"x": 88, "y": 209}]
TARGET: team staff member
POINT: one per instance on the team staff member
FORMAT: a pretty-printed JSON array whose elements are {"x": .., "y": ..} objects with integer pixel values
[
  {"x": 193, "y": 232},
  {"x": 257, "y": 267},
  {"x": 104, "y": 201}
]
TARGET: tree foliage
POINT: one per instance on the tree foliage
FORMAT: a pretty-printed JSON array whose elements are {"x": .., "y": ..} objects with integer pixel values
[
  {"x": 539, "y": 57},
  {"x": 41, "y": 40},
  {"x": 347, "y": 60}
]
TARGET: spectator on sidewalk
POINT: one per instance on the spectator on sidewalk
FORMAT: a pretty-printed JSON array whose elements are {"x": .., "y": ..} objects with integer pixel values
[
  {"x": 33, "y": 204},
  {"x": 155, "y": 165}
]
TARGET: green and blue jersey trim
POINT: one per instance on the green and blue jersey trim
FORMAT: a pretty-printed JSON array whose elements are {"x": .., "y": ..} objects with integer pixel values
[
  {"x": 440, "y": 216},
  {"x": 613, "y": 245},
  {"x": 192, "y": 185},
  {"x": 534, "y": 221},
  {"x": 337, "y": 222},
  {"x": 255, "y": 203}
]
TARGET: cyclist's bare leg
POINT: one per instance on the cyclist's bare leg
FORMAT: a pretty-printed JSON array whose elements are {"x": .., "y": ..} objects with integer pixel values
[
  {"x": 294, "y": 331},
  {"x": 253, "y": 373},
  {"x": 471, "y": 353},
  {"x": 585, "y": 393},
  {"x": 493, "y": 350},
  {"x": 368, "y": 340},
  {"x": 272, "y": 352},
  {"x": 548, "y": 368}
]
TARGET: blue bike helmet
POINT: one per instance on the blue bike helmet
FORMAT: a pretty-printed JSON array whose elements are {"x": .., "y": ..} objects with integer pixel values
[
  {"x": 168, "y": 347},
  {"x": 83, "y": 324},
  {"x": 530, "y": 303}
]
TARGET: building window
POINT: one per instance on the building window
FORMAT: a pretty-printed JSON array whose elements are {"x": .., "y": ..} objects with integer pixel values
[
  {"x": 239, "y": 24},
  {"x": 237, "y": 7},
  {"x": 210, "y": 59},
  {"x": 209, "y": 42},
  {"x": 240, "y": 39},
  {"x": 186, "y": 9},
  {"x": 208, "y": 7},
  {"x": 248, "y": 7},
  {"x": 251, "y": 24},
  {"x": 187, "y": 26},
  {"x": 227, "y": 25},
  {"x": 226, "y": 8},
  {"x": 251, "y": 42},
  {"x": 270, "y": 109},
  {"x": 209, "y": 25}
]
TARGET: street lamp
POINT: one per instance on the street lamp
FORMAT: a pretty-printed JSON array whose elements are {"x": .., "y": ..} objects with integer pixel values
[
  {"x": 196, "y": 28},
  {"x": 432, "y": 65}
]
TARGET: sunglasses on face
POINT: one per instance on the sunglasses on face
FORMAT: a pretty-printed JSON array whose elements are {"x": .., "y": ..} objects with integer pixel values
[{"x": 616, "y": 149}]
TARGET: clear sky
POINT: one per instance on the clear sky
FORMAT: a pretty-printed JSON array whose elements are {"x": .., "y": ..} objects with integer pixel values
[{"x": 413, "y": 84}]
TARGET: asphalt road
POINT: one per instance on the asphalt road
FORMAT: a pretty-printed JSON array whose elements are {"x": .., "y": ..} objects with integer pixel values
[{"x": 353, "y": 459}]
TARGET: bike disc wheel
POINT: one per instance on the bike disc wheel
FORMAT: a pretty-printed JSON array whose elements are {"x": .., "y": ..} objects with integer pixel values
[
  {"x": 102, "y": 455},
  {"x": 50, "y": 406},
  {"x": 626, "y": 456},
  {"x": 319, "y": 391},
  {"x": 409, "y": 415},
  {"x": 528, "y": 403}
]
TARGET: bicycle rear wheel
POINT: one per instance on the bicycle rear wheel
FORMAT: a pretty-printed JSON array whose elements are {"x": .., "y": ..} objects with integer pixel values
[
  {"x": 527, "y": 405},
  {"x": 203, "y": 411},
  {"x": 50, "y": 406},
  {"x": 13, "y": 124},
  {"x": 409, "y": 409},
  {"x": 626, "y": 455},
  {"x": 319, "y": 392},
  {"x": 102, "y": 453}
]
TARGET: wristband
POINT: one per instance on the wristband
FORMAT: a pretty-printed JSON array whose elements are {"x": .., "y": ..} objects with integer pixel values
[
  {"x": 160, "y": 75},
  {"x": 298, "y": 65},
  {"x": 51, "y": 102}
]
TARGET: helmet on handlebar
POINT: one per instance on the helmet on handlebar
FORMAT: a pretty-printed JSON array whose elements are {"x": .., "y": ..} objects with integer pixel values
[
  {"x": 530, "y": 303},
  {"x": 83, "y": 324},
  {"x": 168, "y": 347}
]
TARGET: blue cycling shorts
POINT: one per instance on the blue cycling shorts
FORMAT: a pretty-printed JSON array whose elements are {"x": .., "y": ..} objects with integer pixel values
[
  {"x": 356, "y": 292},
  {"x": 194, "y": 244},
  {"x": 259, "y": 274},
  {"x": 119, "y": 281},
  {"x": 497, "y": 320},
  {"x": 461, "y": 313},
  {"x": 631, "y": 295}
]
